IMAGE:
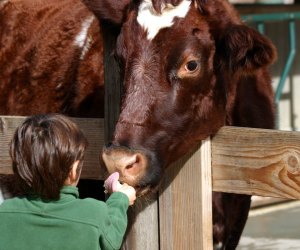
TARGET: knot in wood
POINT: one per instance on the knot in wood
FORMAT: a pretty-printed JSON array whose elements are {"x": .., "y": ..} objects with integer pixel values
[{"x": 293, "y": 165}]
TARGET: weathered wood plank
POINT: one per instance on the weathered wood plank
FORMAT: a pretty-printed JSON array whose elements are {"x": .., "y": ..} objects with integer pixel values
[
  {"x": 185, "y": 210},
  {"x": 7, "y": 129},
  {"x": 206, "y": 195},
  {"x": 256, "y": 161},
  {"x": 143, "y": 232},
  {"x": 92, "y": 128}
]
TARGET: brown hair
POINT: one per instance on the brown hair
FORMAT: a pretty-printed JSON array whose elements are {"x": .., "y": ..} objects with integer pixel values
[{"x": 43, "y": 150}]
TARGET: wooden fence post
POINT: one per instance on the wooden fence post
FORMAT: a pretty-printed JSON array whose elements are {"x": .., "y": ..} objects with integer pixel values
[
  {"x": 185, "y": 208},
  {"x": 143, "y": 228}
]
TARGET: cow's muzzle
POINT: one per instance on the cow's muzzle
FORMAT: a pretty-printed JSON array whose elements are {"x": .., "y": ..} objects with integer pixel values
[{"x": 131, "y": 164}]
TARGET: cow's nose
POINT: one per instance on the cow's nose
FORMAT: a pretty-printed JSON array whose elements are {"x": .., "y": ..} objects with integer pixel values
[{"x": 130, "y": 164}]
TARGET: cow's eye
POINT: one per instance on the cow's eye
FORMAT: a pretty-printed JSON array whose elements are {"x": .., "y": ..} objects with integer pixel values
[{"x": 191, "y": 66}]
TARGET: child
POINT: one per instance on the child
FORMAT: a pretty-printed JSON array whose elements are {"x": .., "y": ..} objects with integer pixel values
[{"x": 47, "y": 152}]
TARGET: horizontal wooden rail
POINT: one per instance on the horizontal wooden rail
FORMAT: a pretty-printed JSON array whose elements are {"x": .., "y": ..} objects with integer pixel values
[{"x": 256, "y": 161}]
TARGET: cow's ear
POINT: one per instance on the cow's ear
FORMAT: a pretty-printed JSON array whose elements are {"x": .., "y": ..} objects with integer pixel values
[
  {"x": 110, "y": 10},
  {"x": 243, "y": 48}
]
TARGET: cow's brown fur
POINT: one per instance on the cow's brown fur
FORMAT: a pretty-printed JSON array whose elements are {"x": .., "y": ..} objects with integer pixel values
[{"x": 41, "y": 68}]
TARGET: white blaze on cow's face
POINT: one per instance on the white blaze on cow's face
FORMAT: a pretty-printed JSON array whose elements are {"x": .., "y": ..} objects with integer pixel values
[{"x": 153, "y": 22}]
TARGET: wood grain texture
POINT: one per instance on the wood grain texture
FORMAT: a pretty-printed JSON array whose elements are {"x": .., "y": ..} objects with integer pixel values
[
  {"x": 8, "y": 126},
  {"x": 143, "y": 231},
  {"x": 185, "y": 203},
  {"x": 93, "y": 129},
  {"x": 256, "y": 161}
]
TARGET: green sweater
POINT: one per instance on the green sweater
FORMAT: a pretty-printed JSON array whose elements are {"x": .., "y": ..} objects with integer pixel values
[{"x": 69, "y": 223}]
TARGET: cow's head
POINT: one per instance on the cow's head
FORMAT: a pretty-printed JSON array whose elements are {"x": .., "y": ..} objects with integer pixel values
[{"x": 178, "y": 60}]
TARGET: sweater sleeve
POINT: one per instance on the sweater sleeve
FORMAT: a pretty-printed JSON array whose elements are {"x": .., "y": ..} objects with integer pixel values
[{"x": 116, "y": 223}]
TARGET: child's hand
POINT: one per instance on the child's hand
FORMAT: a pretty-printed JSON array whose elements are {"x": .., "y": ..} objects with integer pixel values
[
  {"x": 112, "y": 184},
  {"x": 129, "y": 191}
]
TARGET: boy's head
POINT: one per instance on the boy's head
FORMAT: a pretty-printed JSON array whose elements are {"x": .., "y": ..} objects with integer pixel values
[{"x": 43, "y": 151}]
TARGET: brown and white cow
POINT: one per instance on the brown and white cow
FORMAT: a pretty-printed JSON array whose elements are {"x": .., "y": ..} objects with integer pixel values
[{"x": 189, "y": 67}]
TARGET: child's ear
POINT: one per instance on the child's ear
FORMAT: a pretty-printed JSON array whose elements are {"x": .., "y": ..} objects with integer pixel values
[{"x": 73, "y": 174}]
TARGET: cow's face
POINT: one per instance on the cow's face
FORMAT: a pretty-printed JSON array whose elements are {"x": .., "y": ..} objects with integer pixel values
[
  {"x": 171, "y": 100},
  {"x": 173, "y": 94}
]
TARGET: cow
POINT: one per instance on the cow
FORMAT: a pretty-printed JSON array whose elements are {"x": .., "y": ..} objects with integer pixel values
[{"x": 188, "y": 67}]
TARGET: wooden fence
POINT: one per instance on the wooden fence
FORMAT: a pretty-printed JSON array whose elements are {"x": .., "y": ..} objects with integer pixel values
[{"x": 237, "y": 160}]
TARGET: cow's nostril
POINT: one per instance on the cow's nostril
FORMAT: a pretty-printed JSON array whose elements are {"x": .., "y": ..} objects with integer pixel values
[
  {"x": 133, "y": 163},
  {"x": 135, "y": 166}
]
